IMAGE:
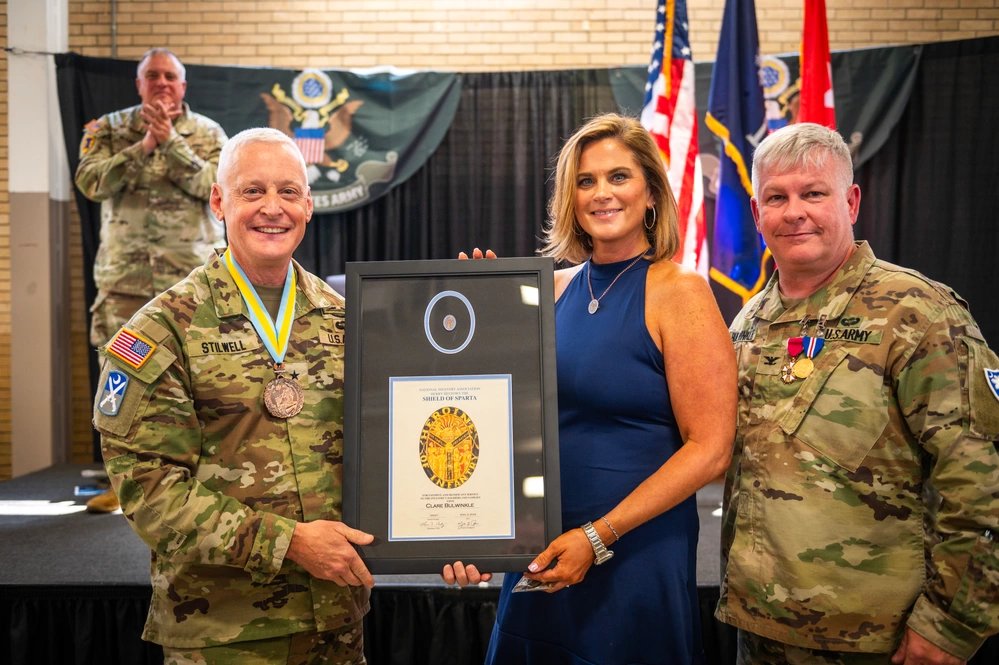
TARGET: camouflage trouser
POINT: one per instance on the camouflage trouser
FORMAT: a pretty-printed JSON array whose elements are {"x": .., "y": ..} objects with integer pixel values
[
  {"x": 341, "y": 647},
  {"x": 109, "y": 312},
  {"x": 756, "y": 650}
]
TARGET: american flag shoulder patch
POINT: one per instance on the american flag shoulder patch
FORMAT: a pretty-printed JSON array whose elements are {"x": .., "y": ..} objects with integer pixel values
[{"x": 131, "y": 348}]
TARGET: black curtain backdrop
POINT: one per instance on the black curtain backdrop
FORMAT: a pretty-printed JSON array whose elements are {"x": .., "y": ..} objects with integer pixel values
[
  {"x": 928, "y": 194},
  {"x": 929, "y": 198},
  {"x": 406, "y": 626},
  {"x": 487, "y": 184}
]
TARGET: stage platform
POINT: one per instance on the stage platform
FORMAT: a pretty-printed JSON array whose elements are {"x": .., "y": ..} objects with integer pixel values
[{"x": 74, "y": 589}]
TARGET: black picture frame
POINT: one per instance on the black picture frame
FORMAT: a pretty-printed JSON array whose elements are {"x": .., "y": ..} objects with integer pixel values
[{"x": 488, "y": 327}]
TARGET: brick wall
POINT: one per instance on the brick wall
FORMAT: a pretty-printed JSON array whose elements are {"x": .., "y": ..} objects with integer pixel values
[
  {"x": 481, "y": 35},
  {"x": 457, "y": 35},
  {"x": 5, "y": 416}
]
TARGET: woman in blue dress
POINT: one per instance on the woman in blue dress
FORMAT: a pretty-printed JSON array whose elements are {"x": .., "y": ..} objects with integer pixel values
[{"x": 647, "y": 398}]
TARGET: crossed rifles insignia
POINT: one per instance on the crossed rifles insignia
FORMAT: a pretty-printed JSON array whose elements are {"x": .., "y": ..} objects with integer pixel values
[{"x": 114, "y": 393}]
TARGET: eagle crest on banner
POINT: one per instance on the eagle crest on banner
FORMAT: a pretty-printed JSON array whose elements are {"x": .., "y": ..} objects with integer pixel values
[
  {"x": 779, "y": 93},
  {"x": 316, "y": 120}
]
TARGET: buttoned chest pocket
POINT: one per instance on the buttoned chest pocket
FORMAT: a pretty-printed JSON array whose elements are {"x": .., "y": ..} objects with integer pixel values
[
  {"x": 983, "y": 408},
  {"x": 329, "y": 351},
  {"x": 762, "y": 392},
  {"x": 228, "y": 367},
  {"x": 151, "y": 169},
  {"x": 123, "y": 136},
  {"x": 842, "y": 413},
  {"x": 319, "y": 426}
]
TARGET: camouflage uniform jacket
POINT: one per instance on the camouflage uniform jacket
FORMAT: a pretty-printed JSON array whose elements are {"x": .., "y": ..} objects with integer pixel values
[
  {"x": 156, "y": 226},
  {"x": 864, "y": 497},
  {"x": 212, "y": 482}
]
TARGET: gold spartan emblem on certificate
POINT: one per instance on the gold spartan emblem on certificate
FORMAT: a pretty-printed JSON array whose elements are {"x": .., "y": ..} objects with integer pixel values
[{"x": 449, "y": 447}]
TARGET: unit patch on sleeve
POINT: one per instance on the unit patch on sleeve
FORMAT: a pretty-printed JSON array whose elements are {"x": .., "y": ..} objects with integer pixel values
[
  {"x": 131, "y": 348},
  {"x": 89, "y": 133},
  {"x": 992, "y": 375},
  {"x": 114, "y": 393}
]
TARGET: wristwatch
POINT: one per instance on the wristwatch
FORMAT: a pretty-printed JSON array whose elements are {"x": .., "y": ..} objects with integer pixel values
[{"x": 600, "y": 550}]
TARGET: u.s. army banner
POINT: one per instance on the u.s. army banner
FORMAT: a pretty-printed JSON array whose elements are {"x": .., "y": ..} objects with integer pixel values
[{"x": 360, "y": 133}]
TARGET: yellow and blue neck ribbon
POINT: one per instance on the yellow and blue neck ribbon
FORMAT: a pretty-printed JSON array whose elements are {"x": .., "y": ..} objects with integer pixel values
[{"x": 274, "y": 334}]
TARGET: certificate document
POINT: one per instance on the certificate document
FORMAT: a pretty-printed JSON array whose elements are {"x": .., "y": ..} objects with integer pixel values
[
  {"x": 451, "y": 457},
  {"x": 451, "y": 413}
]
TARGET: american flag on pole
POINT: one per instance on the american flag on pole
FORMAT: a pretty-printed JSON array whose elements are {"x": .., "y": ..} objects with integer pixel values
[
  {"x": 816, "y": 102},
  {"x": 670, "y": 115},
  {"x": 312, "y": 143},
  {"x": 131, "y": 347}
]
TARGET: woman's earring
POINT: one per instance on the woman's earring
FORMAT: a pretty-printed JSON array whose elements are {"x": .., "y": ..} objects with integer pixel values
[{"x": 649, "y": 227}]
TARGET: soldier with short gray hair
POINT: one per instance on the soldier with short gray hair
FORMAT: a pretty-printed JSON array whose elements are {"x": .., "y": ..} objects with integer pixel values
[
  {"x": 151, "y": 167},
  {"x": 862, "y": 504}
]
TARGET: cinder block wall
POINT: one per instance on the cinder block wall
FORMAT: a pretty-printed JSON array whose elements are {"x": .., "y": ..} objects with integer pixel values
[
  {"x": 456, "y": 35},
  {"x": 5, "y": 419},
  {"x": 481, "y": 35}
]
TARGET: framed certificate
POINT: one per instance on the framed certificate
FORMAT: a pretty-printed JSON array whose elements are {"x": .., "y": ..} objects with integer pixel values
[{"x": 451, "y": 414}]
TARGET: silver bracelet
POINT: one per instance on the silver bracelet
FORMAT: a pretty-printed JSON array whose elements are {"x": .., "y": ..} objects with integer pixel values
[{"x": 611, "y": 527}]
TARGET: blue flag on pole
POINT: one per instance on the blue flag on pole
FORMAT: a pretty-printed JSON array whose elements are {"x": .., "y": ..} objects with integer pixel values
[{"x": 736, "y": 116}]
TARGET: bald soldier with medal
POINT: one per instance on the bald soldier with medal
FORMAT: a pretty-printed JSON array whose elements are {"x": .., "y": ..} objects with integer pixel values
[{"x": 220, "y": 411}]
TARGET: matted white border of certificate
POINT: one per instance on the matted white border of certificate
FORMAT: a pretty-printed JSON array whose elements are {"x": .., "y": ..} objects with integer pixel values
[{"x": 482, "y": 507}]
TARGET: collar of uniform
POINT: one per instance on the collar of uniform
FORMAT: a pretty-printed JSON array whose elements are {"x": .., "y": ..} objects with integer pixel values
[
  {"x": 133, "y": 116},
  {"x": 184, "y": 124},
  {"x": 229, "y": 302},
  {"x": 316, "y": 291},
  {"x": 829, "y": 300},
  {"x": 766, "y": 304}
]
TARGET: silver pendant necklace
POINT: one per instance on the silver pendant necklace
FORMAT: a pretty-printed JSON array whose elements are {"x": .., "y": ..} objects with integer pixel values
[{"x": 595, "y": 302}]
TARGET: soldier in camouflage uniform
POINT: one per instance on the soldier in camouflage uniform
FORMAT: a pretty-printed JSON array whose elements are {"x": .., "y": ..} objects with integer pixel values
[
  {"x": 862, "y": 505},
  {"x": 238, "y": 495},
  {"x": 152, "y": 167}
]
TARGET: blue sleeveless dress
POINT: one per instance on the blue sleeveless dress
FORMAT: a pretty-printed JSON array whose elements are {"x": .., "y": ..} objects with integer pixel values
[{"x": 616, "y": 427}]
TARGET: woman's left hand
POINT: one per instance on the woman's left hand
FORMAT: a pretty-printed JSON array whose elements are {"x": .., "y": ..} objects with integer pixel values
[
  {"x": 573, "y": 556},
  {"x": 478, "y": 254},
  {"x": 462, "y": 575}
]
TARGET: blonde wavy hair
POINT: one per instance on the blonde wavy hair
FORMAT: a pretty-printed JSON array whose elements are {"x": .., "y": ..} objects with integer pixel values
[{"x": 565, "y": 239}]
